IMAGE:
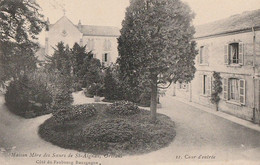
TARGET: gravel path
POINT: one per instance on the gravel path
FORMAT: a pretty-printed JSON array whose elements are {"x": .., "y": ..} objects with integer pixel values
[{"x": 198, "y": 133}]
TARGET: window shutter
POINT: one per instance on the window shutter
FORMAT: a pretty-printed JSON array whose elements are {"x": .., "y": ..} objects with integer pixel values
[
  {"x": 226, "y": 55},
  {"x": 202, "y": 84},
  {"x": 206, "y": 55},
  {"x": 242, "y": 91},
  {"x": 241, "y": 53},
  {"x": 81, "y": 42},
  {"x": 108, "y": 58},
  {"x": 105, "y": 45},
  {"x": 225, "y": 88},
  {"x": 200, "y": 55},
  {"x": 209, "y": 86}
]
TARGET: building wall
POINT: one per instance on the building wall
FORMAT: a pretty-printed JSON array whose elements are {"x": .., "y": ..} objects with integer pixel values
[
  {"x": 55, "y": 35},
  {"x": 65, "y": 31},
  {"x": 216, "y": 62},
  {"x": 99, "y": 49}
]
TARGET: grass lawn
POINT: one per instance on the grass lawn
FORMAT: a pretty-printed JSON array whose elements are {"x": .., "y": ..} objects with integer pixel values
[{"x": 106, "y": 133}]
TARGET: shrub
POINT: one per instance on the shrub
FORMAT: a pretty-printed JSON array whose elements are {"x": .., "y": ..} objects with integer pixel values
[
  {"x": 28, "y": 96},
  {"x": 96, "y": 89},
  {"x": 77, "y": 86},
  {"x": 111, "y": 130},
  {"x": 108, "y": 134},
  {"x": 87, "y": 94},
  {"x": 38, "y": 93},
  {"x": 60, "y": 87},
  {"x": 74, "y": 112},
  {"x": 123, "y": 108},
  {"x": 112, "y": 85},
  {"x": 217, "y": 89}
]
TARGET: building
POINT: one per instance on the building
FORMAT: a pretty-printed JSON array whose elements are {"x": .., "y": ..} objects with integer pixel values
[
  {"x": 101, "y": 40},
  {"x": 232, "y": 48}
]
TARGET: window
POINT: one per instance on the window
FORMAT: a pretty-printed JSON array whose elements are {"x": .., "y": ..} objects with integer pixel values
[
  {"x": 206, "y": 85},
  {"x": 234, "y": 53},
  {"x": 203, "y": 55},
  {"x": 204, "y": 89},
  {"x": 107, "y": 45},
  {"x": 81, "y": 42},
  {"x": 105, "y": 57},
  {"x": 234, "y": 90},
  {"x": 91, "y": 44}
]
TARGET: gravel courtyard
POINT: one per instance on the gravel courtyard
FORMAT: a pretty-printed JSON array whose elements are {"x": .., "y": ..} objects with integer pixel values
[{"x": 201, "y": 136}]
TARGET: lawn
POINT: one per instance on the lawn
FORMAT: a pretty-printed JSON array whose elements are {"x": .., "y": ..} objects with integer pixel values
[{"x": 107, "y": 133}]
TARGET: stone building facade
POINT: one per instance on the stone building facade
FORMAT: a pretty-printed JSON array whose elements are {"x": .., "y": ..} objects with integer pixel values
[
  {"x": 101, "y": 40},
  {"x": 232, "y": 48}
]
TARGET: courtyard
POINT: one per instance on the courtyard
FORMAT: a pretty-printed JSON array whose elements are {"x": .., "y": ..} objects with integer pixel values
[{"x": 200, "y": 136}]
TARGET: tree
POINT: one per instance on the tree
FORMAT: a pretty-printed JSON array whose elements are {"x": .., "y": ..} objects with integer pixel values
[
  {"x": 20, "y": 23},
  {"x": 112, "y": 85},
  {"x": 93, "y": 72},
  {"x": 217, "y": 89},
  {"x": 156, "y": 46},
  {"x": 61, "y": 59},
  {"x": 80, "y": 63}
]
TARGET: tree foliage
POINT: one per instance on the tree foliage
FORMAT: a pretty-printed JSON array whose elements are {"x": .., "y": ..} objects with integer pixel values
[
  {"x": 155, "y": 46},
  {"x": 217, "y": 89},
  {"x": 60, "y": 60},
  {"x": 20, "y": 23},
  {"x": 112, "y": 84}
]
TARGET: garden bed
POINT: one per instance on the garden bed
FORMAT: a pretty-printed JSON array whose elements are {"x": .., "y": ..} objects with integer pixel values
[{"x": 106, "y": 133}]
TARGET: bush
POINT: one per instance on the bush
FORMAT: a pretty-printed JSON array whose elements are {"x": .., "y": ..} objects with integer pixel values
[
  {"x": 107, "y": 134},
  {"x": 60, "y": 87},
  {"x": 28, "y": 97},
  {"x": 112, "y": 85},
  {"x": 111, "y": 130},
  {"x": 95, "y": 89},
  {"x": 77, "y": 86},
  {"x": 74, "y": 112},
  {"x": 87, "y": 94},
  {"x": 124, "y": 108},
  {"x": 38, "y": 93}
]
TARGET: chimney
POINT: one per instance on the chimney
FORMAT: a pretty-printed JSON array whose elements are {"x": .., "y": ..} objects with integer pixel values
[
  {"x": 47, "y": 24},
  {"x": 79, "y": 25}
]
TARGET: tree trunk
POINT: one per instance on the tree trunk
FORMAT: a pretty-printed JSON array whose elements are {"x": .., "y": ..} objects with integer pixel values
[{"x": 153, "y": 106}]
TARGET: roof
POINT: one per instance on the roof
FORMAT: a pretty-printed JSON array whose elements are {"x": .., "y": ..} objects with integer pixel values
[
  {"x": 92, "y": 30},
  {"x": 243, "y": 21}
]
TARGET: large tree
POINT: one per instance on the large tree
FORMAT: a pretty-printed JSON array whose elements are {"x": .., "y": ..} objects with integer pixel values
[
  {"x": 156, "y": 46},
  {"x": 20, "y": 23}
]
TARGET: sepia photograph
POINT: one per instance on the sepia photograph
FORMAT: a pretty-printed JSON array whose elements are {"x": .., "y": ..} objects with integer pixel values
[{"x": 129, "y": 82}]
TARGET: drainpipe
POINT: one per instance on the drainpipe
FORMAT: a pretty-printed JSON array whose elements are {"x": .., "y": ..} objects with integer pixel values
[{"x": 254, "y": 72}]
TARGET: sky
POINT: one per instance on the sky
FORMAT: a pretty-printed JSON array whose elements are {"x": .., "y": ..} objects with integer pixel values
[{"x": 112, "y": 12}]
